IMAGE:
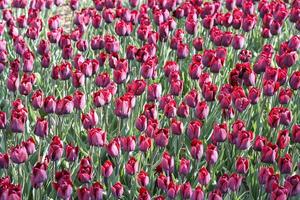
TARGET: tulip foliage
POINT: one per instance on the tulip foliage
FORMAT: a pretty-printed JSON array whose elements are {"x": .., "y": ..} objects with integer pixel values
[{"x": 150, "y": 99}]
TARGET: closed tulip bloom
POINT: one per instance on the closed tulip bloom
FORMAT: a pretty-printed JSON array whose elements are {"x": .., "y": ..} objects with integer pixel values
[
  {"x": 113, "y": 148},
  {"x": 89, "y": 120},
  {"x": 196, "y": 149},
  {"x": 161, "y": 137},
  {"x": 37, "y": 99},
  {"x": 83, "y": 193},
  {"x": 272, "y": 183},
  {"x": 198, "y": 43},
  {"x": 128, "y": 143},
  {"x": 107, "y": 169},
  {"x": 154, "y": 92},
  {"x": 12, "y": 82},
  {"x": 96, "y": 191},
  {"x": 102, "y": 80},
  {"x": 96, "y": 137},
  {"x": 79, "y": 100},
  {"x": 49, "y": 104},
  {"x": 102, "y": 97},
  {"x": 144, "y": 143},
  {"x": 285, "y": 116},
  {"x": 183, "y": 110},
  {"x": 283, "y": 139},
  {"x": 222, "y": 183},
  {"x": 3, "y": 120},
  {"x": 186, "y": 190},
  {"x": 242, "y": 165},
  {"x": 204, "y": 176},
  {"x": 294, "y": 80},
  {"x": 18, "y": 154},
  {"x": 285, "y": 164},
  {"x": 167, "y": 162},
  {"x": 220, "y": 132},
  {"x": 197, "y": 194},
  {"x": 85, "y": 172},
  {"x": 238, "y": 41},
  {"x": 29, "y": 144},
  {"x": 39, "y": 174},
  {"x": 64, "y": 105},
  {"x": 244, "y": 139},
  {"x": 215, "y": 195},
  {"x": 292, "y": 185},
  {"x": 254, "y": 95},
  {"x": 259, "y": 142},
  {"x": 264, "y": 173},
  {"x": 131, "y": 166},
  {"x": 184, "y": 167},
  {"x": 192, "y": 98},
  {"x": 78, "y": 79},
  {"x": 183, "y": 51},
  {"x": 176, "y": 127},
  {"x": 172, "y": 190},
  {"x": 55, "y": 150},
  {"x": 285, "y": 96},
  {"x": 279, "y": 193},
  {"x": 71, "y": 152},
  {"x": 209, "y": 91},
  {"x": 269, "y": 153},
  {"x": 211, "y": 154},
  {"x": 235, "y": 181},
  {"x": 194, "y": 129},
  {"x": 202, "y": 110},
  {"x": 4, "y": 161},
  {"x": 144, "y": 194},
  {"x": 117, "y": 190},
  {"x": 170, "y": 109},
  {"x": 296, "y": 133},
  {"x": 143, "y": 178},
  {"x": 18, "y": 120}
]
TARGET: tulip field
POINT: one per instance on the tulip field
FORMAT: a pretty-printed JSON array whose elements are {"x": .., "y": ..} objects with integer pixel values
[{"x": 149, "y": 99}]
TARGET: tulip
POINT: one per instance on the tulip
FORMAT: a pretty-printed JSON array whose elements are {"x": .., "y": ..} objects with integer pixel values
[
  {"x": 172, "y": 190},
  {"x": 143, "y": 179},
  {"x": 202, "y": 110},
  {"x": 285, "y": 164},
  {"x": 292, "y": 185},
  {"x": 184, "y": 167},
  {"x": 242, "y": 165},
  {"x": 186, "y": 190},
  {"x": 117, "y": 190},
  {"x": 269, "y": 153},
  {"x": 71, "y": 153},
  {"x": 235, "y": 182},
  {"x": 215, "y": 195},
  {"x": 132, "y": 166},
  {"x": 283, "y": 139},
  {"x": 2, "y": 120},
  {"x": 4, "y": 161},
  {"x": 167, "y": 163},
  {"x": 204, "y": 176},
  {"x": 107, "y": 169},
  {"x": 39, "y": 174},
  {"x": 89, "y": 120},
  {"x": 55, "y": 150},
  {"x": 18, "y": 154}
]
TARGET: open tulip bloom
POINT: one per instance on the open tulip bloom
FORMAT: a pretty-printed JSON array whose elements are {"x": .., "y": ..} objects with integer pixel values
[{"x": 149, "y": 99}]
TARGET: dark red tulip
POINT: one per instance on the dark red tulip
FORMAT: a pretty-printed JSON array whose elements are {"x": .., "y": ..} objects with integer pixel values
[
  {"x": 4, "y": 161},
  {"x": 107, "y": 169},
  {"x": 71, "y": 152},
  {"x": 269, "y": 153},
  {"x": 55, "y": 150},
  {"x": 211, "y": 154},
  {"x": 117, "y": 190},
  {"x": 204, "y": 176},
  {"x": 89, "y": 120},
  {"x": 39, "y": 174},
  {"x": 235, "y": 181},
  {"x": 285, "y": 164}
]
